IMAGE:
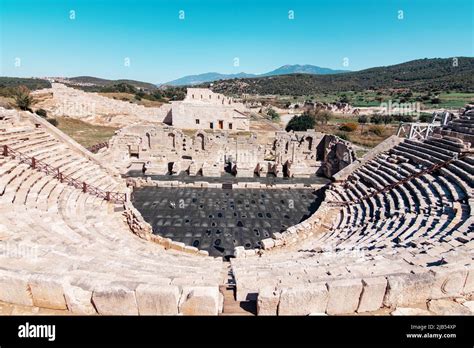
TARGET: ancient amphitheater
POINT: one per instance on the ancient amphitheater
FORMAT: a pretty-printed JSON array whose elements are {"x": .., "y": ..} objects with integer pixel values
[{"x": 394, "y": 230}]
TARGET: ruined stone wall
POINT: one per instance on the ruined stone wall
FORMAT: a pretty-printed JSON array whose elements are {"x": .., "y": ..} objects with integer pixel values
[
  {"x": 60, "y": 100},
  {"x": 203, "y": 109},
  {"x": 163, "y": 149},
  {"x": 383, "y": 146},
  {"x": 142, "y": 229},
  {"x": 336, "y": 155}
]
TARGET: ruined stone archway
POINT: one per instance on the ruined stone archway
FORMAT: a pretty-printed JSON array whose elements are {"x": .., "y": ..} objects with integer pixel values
[
  {"x": 172, "y": 140},
  {"x": 148, "y": 138},
  {"x": 200, "y": 141},
  {"x": 309, "y": 142}
]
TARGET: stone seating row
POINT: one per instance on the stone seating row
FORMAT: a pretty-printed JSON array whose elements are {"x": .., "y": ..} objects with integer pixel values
[
  {"x": 414, "y": 232},
  {"x": 61, "y": 248}
]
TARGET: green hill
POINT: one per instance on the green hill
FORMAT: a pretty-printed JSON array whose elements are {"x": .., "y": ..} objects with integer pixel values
[
  {"x": 420, "y": 75},
  {"x": 104, "y": 82},
  {"x": 31, "y": 83}
]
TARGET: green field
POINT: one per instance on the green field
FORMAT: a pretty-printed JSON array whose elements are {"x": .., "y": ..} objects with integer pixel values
[
  {"x": 85, "y": 133},
  {"x": 448, "y": 100},
  {"x": 455, "y": 100}
]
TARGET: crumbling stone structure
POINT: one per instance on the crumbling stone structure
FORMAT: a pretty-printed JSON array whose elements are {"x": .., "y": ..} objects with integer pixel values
[
  {"x": 204, "y": 109},
  {"x": 168, "y": 150}
]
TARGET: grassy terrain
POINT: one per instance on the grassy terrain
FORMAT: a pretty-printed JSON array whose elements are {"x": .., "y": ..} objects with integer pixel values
[
  {"x": 131, "y": 98},
  {"x": 447, "y": 99},
  {"x": 455, "y": 100},
  {"x": 31, "y": 83},
  {"x": 7, "y": 102},
  {"x": 367, "y": 135},
  {"x": 105, "y": 82},
  {"x": 85, "y": 133}
]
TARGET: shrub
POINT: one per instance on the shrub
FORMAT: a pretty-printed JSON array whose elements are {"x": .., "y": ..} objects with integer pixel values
[
  {"x": 379, "y": 119},
  {"x": 322, "y": 116},
  {"x": 273, "y": 114},
  {"x": 301, "y": 123},
  {"x": 363, "y": 119},
  {"x": 53, "y": 121},
  {"x": 42, "y": 113},
  {"x": 435, "y": 100},
  {"x": 377, "y": 130},
  {"x": 344, "y": 99},
  {"x": 157, "y": 94},
  {"x": 120, "y": 88},
  {"x": 425, "y": 117},
  {"x": 349, "y": 127},
  {"x": 23, "y": 99},
  {"x": 403, "y": 118},
  {"x": 343, "y": 136}
]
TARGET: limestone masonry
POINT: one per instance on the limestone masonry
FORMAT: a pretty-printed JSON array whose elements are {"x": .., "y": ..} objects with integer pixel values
[
  {"x": 393, "y": 234},
  {"x": 159, "y": 150},
  {"x": 204, "y": 109}
]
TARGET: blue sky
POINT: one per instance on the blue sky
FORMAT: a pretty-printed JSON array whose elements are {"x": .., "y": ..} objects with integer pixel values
[{"x": 162, "y": 47}]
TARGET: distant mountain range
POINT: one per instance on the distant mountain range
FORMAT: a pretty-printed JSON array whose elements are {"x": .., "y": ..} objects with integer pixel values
[
  {"x": 105, "y": 82},
  {"x": 434, "y": 74},
  {"x": 283, "y": 70},
  {"x": 428, "y": 74}
]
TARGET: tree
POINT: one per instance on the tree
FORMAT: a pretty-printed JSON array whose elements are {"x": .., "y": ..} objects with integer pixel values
[
  {"x": 53, "y": 121},
  {"x": 344, "y": 99},
  {"x": 301, "y": 123},
  {"x": 273, "y": 114},
  {"x": 157, "y": 95},
  {"x": 379, "y": 119},
  {"x": 42, "y": 113},
  {"x": 425, "y": 118},
  {"x": 322, "y": 116},
  {"x": 363, "y": 119},
  {"x": 23, "y": 99}
]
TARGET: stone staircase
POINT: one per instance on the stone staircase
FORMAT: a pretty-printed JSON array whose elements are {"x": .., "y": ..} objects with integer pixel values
[
  {"x": 408, "y": 245},
  {"x": 66, "y": 251},
  {"x": 63, "y": 249}
]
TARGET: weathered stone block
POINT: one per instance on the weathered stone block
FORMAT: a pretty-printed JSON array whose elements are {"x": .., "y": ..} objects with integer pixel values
[
  {"x": 115, "y": 301},
  {"x": 447, "y": 307},
  {"x": 239, "y": 251},
  {"x": 15, "y": 289},
  {"x": 268, "y": 243},
  {"x": 406, "y": 289},
  {"x": 267, "y": 301},
  {"x": 47, "y": 292},
  {"x": 247, "y": 288},
  {"x": 373, "y": 292},
  {"x": 410, "y": 311},
  {"x": 312, "y": 298},
  {"x": 177, "y": 246},
  {"x": 469, "y": 284},
  {"x": 448, "y": 282},
  {"x": 157, "y": 300},
  {"x": 199, "y": 300},
  {"x": 79, "y": 299},
  {"x": 344, "y": 296}
]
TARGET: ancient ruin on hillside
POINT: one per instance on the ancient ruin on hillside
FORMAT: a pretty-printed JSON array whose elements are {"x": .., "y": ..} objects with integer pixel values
[
  {"x": 204, "y": 109},
  {"x": 169, "y": 150}
]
